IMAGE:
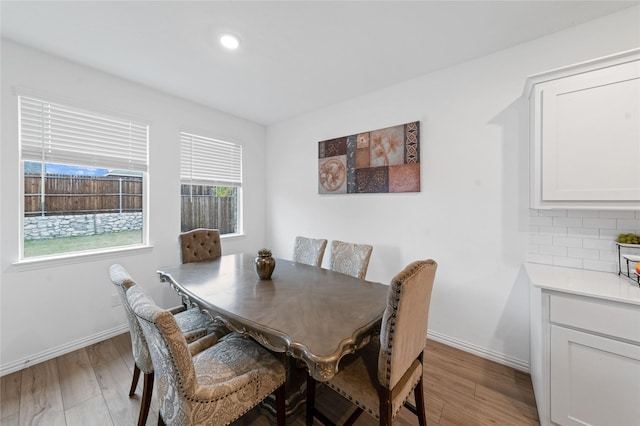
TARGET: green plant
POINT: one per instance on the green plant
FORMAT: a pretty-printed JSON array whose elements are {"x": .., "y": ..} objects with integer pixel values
[
  {"x": 628, "y": 238},
  {"x": 223, "y": 191},
  {"x": 264, "y": 252}
]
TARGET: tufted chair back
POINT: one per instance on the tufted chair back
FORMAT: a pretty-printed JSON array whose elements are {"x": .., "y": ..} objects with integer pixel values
[
  {"x": 200, "y": 244},
  {"x": 203, "y": 384},
  {"x": 309, "y": 251},
  {"x": 351, "y": 259}
]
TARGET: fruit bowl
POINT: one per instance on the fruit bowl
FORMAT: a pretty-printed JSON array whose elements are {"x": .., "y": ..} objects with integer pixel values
[{"x": 633, "y": 239}]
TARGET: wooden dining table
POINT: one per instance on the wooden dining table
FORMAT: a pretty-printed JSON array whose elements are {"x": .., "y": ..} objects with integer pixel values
[{"x": 311, "y": 314}]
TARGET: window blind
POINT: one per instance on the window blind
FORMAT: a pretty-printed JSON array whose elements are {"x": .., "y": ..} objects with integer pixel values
[
  {"x": 57, "y": 133},
  {"x": 206, "y": 161}
]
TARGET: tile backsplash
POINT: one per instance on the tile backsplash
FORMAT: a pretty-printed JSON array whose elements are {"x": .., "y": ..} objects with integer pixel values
[{"x": 583, "y": 239}]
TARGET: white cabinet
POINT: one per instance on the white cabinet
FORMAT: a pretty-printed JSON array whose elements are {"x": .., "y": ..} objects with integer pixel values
[
  {"x": 594, "y": 380},
  {"x": 585, "y": 346},
  {"x": 594, "y": 362},
  {"x": 585, "y": 134}
]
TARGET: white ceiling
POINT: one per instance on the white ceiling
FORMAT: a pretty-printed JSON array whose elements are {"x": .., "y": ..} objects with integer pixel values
[{"x": 295, "y": 56}]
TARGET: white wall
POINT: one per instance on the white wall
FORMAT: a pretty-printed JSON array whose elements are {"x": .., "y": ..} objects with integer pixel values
[
  {"x": 471, "y": 215},
  {"x": 59, "y": 307}
]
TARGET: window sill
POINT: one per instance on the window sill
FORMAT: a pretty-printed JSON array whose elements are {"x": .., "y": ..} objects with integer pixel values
[
  {"x": 232, "y": 236},
  {"x": 78, "y": 257}
]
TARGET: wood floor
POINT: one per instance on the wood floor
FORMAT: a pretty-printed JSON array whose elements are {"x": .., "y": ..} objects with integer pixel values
[{"x": 89, "y": 387}]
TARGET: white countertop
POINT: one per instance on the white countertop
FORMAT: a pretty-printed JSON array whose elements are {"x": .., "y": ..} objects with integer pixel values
[{"x": 602, "y": 285}]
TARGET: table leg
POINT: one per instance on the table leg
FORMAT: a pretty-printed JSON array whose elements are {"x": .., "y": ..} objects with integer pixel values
[{"x": 295, "y": 388}]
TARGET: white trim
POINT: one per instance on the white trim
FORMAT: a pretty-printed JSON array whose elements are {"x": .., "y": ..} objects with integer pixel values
[
  {"x": 80, "y": 257},
  {"x": 503, "y": 359},
  {"x": 99, "y": 337},
  {"x": 232, "y": 236},
  {"x": 61, "y": 350},
  {"x": 590, "y": 65}
]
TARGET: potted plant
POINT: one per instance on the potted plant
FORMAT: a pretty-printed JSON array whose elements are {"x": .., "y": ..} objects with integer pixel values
[{"x": 265, "y": 264}]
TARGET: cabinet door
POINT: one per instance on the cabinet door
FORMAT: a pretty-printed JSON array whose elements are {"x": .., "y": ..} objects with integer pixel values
[
  {"x": 594, "y": 380},
  {"x": 590, "y": 132}
]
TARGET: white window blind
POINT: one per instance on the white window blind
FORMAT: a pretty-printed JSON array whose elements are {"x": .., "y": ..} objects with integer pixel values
[
  {"x": 206, "y": 161},
  {"x": 56, "y": 133}
]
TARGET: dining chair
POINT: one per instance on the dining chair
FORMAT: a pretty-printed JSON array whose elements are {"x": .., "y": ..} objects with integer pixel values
[
  {"x": 191, "y": 322},
  {"x": 351, "y": 259},
  {"x": 203, "y": 383},
  {"x": 200, "y": 244},
  {"x": 309, "y": 251},
  {"x": 380, "y": 377}
]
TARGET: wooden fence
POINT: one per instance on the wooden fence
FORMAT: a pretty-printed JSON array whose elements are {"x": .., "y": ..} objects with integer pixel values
[
  {"x": 202, "y": 206},
  {"x": 203, "y": 209},
  {"x": 65, "y": 194}
]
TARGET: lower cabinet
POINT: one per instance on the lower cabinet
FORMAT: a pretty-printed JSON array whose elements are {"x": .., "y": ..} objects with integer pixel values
[
  {"x": 595, "y": 380},
  {"x": 585, "y": 359}
]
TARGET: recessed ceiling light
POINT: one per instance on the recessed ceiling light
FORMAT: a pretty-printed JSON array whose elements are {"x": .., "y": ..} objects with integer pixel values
[{"x": 229, "y": 41}]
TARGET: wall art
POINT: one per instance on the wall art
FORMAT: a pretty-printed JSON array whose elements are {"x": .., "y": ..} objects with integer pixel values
[{"x": 384, "y": 160}]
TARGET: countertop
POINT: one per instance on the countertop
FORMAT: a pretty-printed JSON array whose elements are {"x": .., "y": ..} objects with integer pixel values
[{"x": 602, "y": 285}]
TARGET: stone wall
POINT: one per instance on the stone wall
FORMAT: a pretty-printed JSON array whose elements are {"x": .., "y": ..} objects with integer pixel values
[{"x": 44, "y": 227}]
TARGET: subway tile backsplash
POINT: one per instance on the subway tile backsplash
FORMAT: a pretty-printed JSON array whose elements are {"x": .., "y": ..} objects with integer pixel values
[{"x": 583, "y": 239}]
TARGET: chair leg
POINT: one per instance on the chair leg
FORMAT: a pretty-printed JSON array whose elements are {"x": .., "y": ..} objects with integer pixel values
[
  {"x": 386, "y": 412},
  {"x": 134, "y": 383},
  {"x": 311, "y": 398},
  {"x": 418, "y": 394},
  {"x": 281, "y": 396},
  {"x": 145, "y": 403},
  {"x": 353, "y": 417}
]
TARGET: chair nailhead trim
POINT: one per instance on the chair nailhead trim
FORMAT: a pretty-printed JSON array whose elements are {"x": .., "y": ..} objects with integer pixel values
[{"x": 392, "y": 325}]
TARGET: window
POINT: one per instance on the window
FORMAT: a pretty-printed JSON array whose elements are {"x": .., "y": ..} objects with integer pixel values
[
  {"x": 84, "y": 179},
  {"x": 211, "y": 178}
]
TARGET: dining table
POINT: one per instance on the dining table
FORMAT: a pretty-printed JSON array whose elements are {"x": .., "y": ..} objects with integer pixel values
[{"x": 313, "y": 315}]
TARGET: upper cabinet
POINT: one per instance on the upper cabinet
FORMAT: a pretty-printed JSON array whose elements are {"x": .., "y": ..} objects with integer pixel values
[{"x": 585, "y": 135}]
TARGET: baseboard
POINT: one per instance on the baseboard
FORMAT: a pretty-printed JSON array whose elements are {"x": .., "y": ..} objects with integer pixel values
[
  {"x": 99, "y": 337},
  {"x": 61, "y": 350},
  {"x": 503, "y": 359}
]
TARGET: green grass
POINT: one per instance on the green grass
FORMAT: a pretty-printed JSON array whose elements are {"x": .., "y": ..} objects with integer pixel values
[{"x": 81, "y": 243}]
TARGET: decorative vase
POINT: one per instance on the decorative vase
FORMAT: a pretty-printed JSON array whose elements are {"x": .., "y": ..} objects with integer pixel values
[{"x": 265, "y": 264}]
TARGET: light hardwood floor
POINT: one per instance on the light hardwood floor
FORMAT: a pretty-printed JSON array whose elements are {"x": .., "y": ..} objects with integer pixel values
[{"x": 89, "y": 387}]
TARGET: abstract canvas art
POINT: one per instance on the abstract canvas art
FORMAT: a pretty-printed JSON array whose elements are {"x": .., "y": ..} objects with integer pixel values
[{"x": 384, "y": 160}]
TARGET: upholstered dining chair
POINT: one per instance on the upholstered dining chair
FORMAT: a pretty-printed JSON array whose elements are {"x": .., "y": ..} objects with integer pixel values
[
  {"x": 309, "y": 251},
  {"x": 190, "y": 322},
  {"x": 351, "y": 259},
  {"x": 200, "y": 244},
  {"x": 380, "y": 377},
  {"x": 201, "y": 383}
]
